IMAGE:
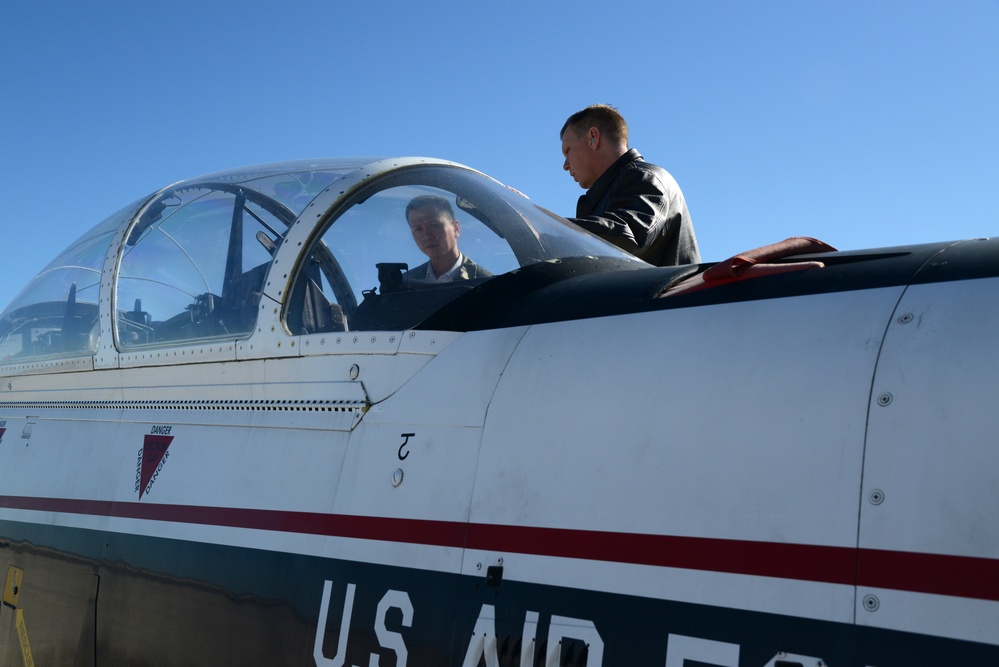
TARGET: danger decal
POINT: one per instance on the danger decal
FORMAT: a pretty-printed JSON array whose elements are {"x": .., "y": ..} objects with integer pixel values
[{"x": 151, "y": 458}]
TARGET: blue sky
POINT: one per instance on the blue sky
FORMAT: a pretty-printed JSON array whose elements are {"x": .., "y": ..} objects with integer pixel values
[{"x": 863, "y": 123}]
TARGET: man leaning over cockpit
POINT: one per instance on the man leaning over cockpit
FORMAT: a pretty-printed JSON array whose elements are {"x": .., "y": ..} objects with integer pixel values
[{"x": 435, "y": 231}]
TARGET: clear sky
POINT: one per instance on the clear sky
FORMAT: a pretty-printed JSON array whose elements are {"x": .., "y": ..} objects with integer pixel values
[{"x": 863, "y": 123}]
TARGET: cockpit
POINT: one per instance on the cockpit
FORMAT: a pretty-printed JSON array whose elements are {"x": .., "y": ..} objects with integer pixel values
[{"x": 322, "y": 245}]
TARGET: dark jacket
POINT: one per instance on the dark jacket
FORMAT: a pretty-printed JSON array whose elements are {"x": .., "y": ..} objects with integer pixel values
[
  {"x": 467, "y": 270},
  {"x": 638, "y": 206}
]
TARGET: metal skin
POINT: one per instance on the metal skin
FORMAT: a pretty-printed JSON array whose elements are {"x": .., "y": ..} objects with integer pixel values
[{"x": 565, "y": 465}]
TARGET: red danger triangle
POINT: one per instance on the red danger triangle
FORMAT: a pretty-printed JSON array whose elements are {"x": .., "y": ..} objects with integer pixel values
[
  {"x": 2, "y": 430},
  {"x": 154, "y": 447}
]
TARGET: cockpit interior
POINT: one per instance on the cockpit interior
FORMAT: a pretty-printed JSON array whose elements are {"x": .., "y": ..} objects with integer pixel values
[{"x": 325, "y": 243}]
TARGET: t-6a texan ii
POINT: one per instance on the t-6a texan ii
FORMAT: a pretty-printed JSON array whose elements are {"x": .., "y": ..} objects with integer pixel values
[{"x": 308, "y": 414}]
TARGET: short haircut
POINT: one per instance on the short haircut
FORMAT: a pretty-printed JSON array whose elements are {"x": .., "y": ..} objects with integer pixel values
[
  {"x": 435, "y": 202},
  {"x": 604, "y": 117}
]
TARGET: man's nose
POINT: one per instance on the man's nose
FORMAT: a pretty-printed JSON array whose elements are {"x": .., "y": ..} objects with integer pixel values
[{"x": 565, "y": 165}]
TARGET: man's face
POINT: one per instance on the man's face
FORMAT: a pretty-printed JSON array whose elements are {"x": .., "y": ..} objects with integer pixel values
[
  {"x": 580, "y": 158},
  {"x": 435, "y": 235}
]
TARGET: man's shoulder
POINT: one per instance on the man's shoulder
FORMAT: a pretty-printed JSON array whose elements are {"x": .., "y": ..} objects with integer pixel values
[
  {"x": 636, "y": 162},
  {"x": 422, "y": 268},
  {"x": 471, "y": 270},
  {"x": 641, "y": 169},
  {"x": 417, "y": 273}
]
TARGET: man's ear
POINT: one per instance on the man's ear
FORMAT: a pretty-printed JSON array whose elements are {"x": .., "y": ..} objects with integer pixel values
[
  {"x": 457, "y": 227},
  {"x": 594, "y": 137}
]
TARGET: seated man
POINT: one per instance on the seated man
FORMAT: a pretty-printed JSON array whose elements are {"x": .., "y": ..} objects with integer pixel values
[{"x": 435, "y": 230}]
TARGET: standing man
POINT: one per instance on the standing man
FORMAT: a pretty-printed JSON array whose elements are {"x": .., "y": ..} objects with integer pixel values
[{"x": 632, "y": 203}]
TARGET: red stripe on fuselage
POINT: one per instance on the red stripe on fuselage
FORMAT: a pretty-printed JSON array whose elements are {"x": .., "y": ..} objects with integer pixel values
[{"x": 960, "y": 576}]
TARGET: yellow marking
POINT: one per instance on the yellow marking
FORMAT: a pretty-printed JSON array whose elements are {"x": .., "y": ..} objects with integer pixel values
[
  {"x": 13, "y": 586},
  {"x": 22, "y": 634}
]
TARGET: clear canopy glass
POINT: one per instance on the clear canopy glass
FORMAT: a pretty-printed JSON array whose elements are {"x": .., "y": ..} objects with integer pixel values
[{"x": 192, "y": 261}]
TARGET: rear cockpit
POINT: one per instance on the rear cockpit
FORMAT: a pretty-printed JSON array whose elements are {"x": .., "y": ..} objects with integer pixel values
[{"x": 270, "y": 253}]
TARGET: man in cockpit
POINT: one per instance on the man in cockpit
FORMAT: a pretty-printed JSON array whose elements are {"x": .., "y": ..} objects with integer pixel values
[{"x": 436, "y": 230}]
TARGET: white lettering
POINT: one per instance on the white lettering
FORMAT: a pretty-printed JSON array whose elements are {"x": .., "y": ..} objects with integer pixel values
[
  {"x": 563, "y": 627},
  {"x": 680, "y": 648},
  {"x": 793, "y": 659},
  {"x": 393, "y": 640},
  {"x": 483, "y": 642},
  {"x": 341, "y": 648},
  {"x": 530, "y": 637}
]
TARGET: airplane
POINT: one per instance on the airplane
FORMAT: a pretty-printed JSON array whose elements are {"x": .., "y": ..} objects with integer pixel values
[{"x": 236, "y": 429}]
